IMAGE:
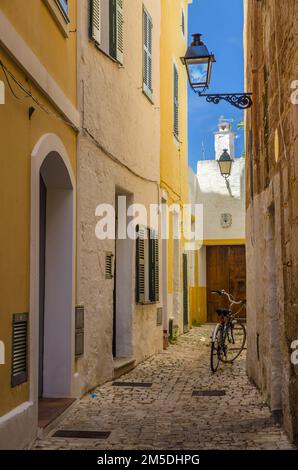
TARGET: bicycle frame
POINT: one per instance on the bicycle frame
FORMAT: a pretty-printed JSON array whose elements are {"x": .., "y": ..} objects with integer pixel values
[{"x": 225, "y": 327}]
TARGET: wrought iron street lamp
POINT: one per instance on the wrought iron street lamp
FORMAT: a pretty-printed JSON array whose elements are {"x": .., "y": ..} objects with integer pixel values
[
  {"x": 198, "y": 62},
  {"x": 225, "y": 163}
]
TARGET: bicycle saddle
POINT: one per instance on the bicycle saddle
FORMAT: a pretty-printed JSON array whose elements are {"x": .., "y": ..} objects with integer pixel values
[{"x": 223, "y": 312}]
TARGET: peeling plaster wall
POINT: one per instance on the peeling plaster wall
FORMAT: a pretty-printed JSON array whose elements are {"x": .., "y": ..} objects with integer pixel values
[
  {"x": 119, "y": 123},
  {"x": 272, "y": 203}
]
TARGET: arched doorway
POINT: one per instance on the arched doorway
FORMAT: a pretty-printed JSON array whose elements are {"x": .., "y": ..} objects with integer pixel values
[
  {"x": 55, "y": 278},
  {"x": 52, "y": 270}
]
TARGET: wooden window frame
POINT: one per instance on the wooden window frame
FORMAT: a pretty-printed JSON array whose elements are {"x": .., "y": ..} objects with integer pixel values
[
  {"x": 64, "y": 5},
  {"x": 59, "y": 15}
]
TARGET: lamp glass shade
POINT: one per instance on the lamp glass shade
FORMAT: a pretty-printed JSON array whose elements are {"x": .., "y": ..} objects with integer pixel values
[
  {"x": 198, "y": 62},
  {"x": 198, "y": 73},
  {"x": 225, "y": 167},
  {"x": 225, "y": 164}
]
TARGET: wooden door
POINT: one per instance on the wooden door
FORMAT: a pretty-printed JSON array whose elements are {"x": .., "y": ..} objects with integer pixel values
[{"x": 226, "y": 269}]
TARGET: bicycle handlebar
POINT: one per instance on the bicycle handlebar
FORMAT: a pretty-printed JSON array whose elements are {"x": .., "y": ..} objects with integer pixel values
[{"x": 230, "y": 297}]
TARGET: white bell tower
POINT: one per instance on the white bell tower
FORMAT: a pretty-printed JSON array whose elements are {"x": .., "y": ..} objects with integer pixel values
[{"x": 224, "y": 138}]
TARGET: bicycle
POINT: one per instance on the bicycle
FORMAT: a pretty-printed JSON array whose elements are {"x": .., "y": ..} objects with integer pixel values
[{"x": 229, "y": 336}]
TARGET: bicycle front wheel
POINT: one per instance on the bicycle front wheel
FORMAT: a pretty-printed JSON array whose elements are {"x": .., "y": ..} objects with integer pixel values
[
  {"x": 234, "y": 344},
  {"x": 215, "y": 352}
]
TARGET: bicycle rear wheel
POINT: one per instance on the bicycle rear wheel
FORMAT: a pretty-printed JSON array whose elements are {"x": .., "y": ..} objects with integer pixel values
[{"x": 235, "y": 339}]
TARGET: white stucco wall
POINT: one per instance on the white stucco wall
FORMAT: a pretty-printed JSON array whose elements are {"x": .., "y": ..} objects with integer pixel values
[
  {"x": 119, "y": 153},
  {"x": 211, "y": 191}
]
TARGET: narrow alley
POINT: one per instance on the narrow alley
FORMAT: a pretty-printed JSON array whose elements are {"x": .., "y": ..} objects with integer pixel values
[
  {"x": 149, "y": 191},
  {"x": 167, "y": 415}
]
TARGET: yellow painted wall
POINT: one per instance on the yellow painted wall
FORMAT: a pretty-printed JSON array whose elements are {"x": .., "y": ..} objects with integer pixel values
[
  {"x": 197, "y": 298},
  {"x": 18, "y": 137},
  {"x": 174, "y": 153},
  {"x": 174, "y": 169},
  {"x": 34, "y": 22}
]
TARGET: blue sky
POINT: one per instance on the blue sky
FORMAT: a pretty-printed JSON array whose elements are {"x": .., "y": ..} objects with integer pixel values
[{"x": 221, "y": 24}]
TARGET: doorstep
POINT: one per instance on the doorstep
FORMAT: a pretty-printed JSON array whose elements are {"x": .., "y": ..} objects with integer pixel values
[
  {"x": 50, "y": 412},
  {"x": 122, "y": 365}
]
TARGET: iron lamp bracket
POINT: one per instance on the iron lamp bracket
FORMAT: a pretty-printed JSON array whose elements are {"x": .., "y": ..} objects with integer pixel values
[{"x": 239, "y": 100}]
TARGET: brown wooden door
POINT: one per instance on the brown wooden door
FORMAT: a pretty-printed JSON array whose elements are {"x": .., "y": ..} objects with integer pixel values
[{"x": 226, "y": 269}]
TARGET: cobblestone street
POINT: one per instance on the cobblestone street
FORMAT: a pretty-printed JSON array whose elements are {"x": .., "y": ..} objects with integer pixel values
[{"x": 167, "y": 416}]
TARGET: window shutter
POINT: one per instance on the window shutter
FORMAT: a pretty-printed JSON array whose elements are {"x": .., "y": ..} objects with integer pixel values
[
  {"x": 140, "y": 264},
  {"x": 113, "y": 28},
  {"x": 95, "y": 20},
  {"x": 176, "y": 101},
  {"x": 154, "y": 267},
  {"x": 183, "y": 23},
  {"x": 156, "y": 249},
  {"x": 147, "y": 59},
  {"x": 120, "y": 32},
  {"x": 185, "y": 291}
]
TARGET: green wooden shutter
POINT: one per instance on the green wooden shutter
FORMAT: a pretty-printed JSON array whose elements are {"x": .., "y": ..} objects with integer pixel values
[
  {"x": 95, "y": 20},
  {"x": 147, "y": 53},
  {"x": 113, "y": 28},
  {"x": 185, "y": 293},
  {"x": 157, "y": 270},
  {"x": 176, "y": 101},
  {"x": 183, "y": 22},
  {"x": 140, "y": 264},
  {"x": 119, "y": 31},
  {"x": 153, "y": 267}
]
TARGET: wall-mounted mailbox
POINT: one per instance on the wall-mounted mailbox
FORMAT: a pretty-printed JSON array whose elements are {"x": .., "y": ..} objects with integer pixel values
[{"x": 159, "y": 316}]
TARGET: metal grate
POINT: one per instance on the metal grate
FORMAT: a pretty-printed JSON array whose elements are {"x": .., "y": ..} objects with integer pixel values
[
  {"x": 109, "y": 266},
  {"x": 133, "y": 384},
  {"x": 208, "y": 393},
  {"x": 68, "y": 433},
  {"x": 19, "y": 369},
  {"x": 79, "y": 331}
]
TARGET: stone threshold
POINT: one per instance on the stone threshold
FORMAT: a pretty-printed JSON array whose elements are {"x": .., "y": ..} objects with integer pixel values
[
  {"x": 122, "y": 365},
  {"x": 51, "y": 412}
]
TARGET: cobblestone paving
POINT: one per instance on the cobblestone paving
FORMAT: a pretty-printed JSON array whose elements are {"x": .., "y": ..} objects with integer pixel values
[{"x": 167, "y": 416}]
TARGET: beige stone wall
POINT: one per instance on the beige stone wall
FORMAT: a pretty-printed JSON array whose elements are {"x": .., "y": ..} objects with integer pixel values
[
  {"x": 119, "y": 151},
  {"x": 271, "y": 30}
]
